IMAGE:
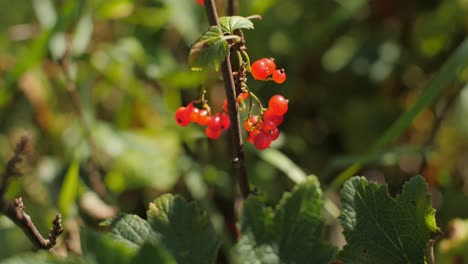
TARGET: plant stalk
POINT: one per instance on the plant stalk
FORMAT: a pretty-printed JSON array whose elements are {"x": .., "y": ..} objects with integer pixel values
[{"x": 238, "y": 161}]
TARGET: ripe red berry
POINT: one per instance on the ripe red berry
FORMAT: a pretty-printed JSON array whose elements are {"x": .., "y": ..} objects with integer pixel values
[
  {"x": 225, "y": 122},
  {"x": 194, "y": 114},
  {"x": 259, "y": 70},
  {"x": 270, "y": 64},
  {"x": 182, "y": 116},
  {"x": 268, "y": 126},
  {"x": 252, "y": 135},
  {"x": 269, "y": 115},
  {"x": 262, "y": 141},
  {"x": 242, "y": 97},
  {"x": 200, "y": 2},
  {"x": 203, "y": 117},
  {"x": 215, "y": 122},
  {"x": 274, "y": 133},
  {"x": 212, "y": 133},
  {"x": 250, "y": 123},
  {"x": 279, "y": 76},
  {"x": 278, "y": 104}
]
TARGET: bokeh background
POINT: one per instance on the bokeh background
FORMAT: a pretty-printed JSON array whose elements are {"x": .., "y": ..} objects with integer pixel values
[{"x": 353, "y": 67}]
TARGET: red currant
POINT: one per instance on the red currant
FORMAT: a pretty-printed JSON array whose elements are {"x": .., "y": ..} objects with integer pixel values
[
  {"x": 212, "y": 133},
  {"x": 250, "y": 123},
  {"x": 182, "y": 116},
  {"x": 215, "y": 122},
  {"x": 259, "y": 70},
  {"x": 278, "y": 104},
  {"x": 270, "y": 64},
  {"x": 268, "y": 126},
  {"x": 224, "y": 120},
  {"x": 269, "y": 115},
  {"x": 262, "y": 141},
  {"x": 194, "y": 114},
  {"x": 273, "y": 133},
  {"x": 279, "y": 76},
  {"x": 242, "y": 96},
  {"x": 203, "y": 117},
  {"x": 252, "y": 135}
]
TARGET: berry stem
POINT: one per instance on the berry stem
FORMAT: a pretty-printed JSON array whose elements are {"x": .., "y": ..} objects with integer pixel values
[{"x": 238, "y": 161}]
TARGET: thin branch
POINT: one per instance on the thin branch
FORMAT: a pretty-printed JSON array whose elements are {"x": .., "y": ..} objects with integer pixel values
[
  {"x": 238, "y": 161},
  {"x": 15, "y": 210}
]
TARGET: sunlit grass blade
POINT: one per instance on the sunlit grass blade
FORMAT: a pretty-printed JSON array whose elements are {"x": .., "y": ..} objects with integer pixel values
[{"x": 448, "y": 72}]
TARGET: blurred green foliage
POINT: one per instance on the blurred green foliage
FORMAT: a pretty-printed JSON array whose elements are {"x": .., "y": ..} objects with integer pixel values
[{"x": 353, "y": 68}]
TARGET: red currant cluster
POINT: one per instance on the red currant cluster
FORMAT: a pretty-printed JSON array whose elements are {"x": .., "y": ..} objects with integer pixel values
[
  {"x": 264, "y": 129},
  {"x": 263, "y": 68},
  {"x": 215, "y": 124}
]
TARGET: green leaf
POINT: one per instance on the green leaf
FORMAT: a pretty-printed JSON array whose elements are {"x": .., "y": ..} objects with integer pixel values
[
  {"x": 449, "y": 72},
  {"x": 104, "y": 248},
  {"x": 186, "y": 230},
  {"x": 230, "y": 23},
  {"x": 69, "y": 191},
  {"x": 209, "y": 50},
  {"x": 131, "y": 229},
  {"x": 381, "y": 229},
  {"x": 153, "y": 253},
  {"x": 290, "y": 235}
]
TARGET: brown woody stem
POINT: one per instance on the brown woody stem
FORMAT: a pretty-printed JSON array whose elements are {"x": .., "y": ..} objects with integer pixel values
[{"x": 238, "y": 161}]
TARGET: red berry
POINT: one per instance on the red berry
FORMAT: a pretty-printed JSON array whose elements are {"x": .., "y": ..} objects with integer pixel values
[
  {"x": 203, "y": 117},
  {"x": 224, "y": 120},
  {"x": 269, "y": 115},
  {"x": 259, "y": 70},
  {"x": 268, "y": 126},
  {"x": 182, "y": 116},
  {"x": 200, "y": 2},
  {"x": 215, "y": 122},
  {"x": 242, "y": 96},
  {"x": 252, "y": 135},
  {"x": 278, "y": 104},
  {"x": 262, "y": 141},
  {"x": 212, "y": 133},
  {"x": 270, "y": 64},
  {"x": 194, "y": 114},
  {"x": 279, "y": 76},
  {"x": 274, "y": 133},
  {"x": 250, "y": 123}
]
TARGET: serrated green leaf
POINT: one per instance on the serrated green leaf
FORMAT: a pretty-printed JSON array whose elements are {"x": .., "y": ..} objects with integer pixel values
[
  {"x": 381, "y": 229},
  {"x": 131, "y": 229},
  {"x": 209, "y": 50},
  {"x": 230, "y": 23},
  {"x": 185, "y": 229},
  {"x": 153, "y": 253},
  {"x": 290, "y": 235}
]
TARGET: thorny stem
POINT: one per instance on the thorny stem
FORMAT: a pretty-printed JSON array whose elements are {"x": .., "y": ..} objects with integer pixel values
[
  {"x": 15, "y": 210},
  {"x": 238, "y": 161}
]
